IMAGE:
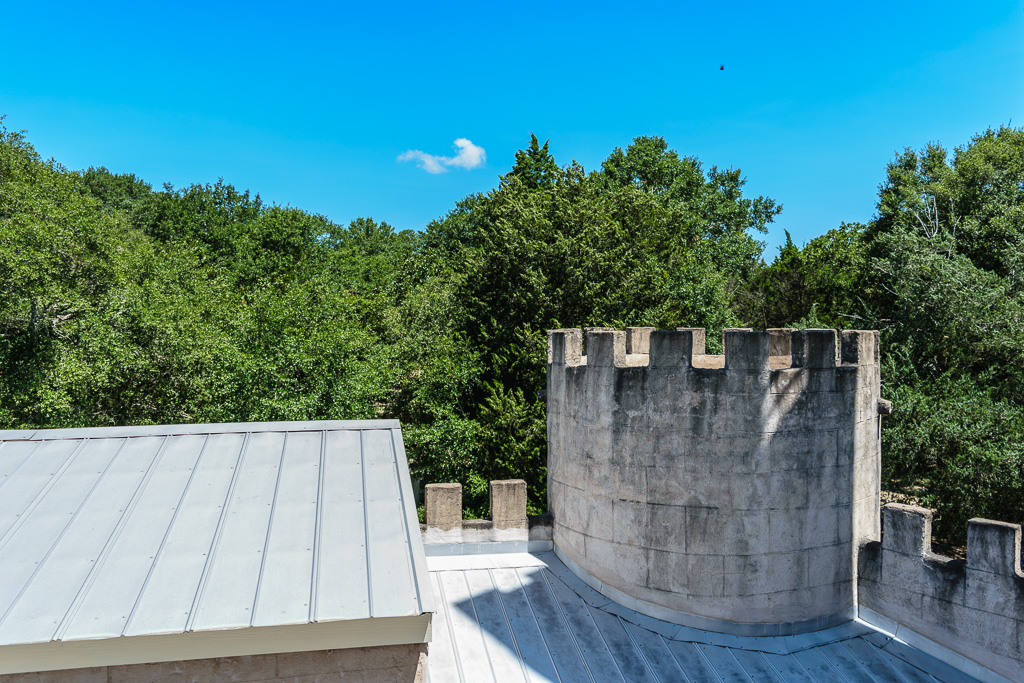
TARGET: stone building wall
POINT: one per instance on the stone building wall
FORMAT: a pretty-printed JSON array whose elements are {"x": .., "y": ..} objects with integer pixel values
[
  {"x": 728, "y": 493},
  {"x": 974, "y": 608},
  {"x": 390, "y": 664}
]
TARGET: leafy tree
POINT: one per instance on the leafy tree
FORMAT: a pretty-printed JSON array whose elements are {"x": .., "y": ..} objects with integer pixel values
[
  {"x": 116, "y": 192},
  {"x": 552, "y": 247},
  {"x": 937, "y": 271},
  {"x": 535, "y": 167},
  {"x": 822, "y": 281}
]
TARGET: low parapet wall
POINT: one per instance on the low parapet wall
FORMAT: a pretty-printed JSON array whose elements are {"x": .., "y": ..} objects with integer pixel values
[
  {"x": 974, "y": 607},
  {"x": 732, "y": 488},
  {"x": 508, "y": 523}
]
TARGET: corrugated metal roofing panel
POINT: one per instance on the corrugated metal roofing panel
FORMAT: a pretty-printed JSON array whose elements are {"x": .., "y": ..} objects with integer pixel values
[
  {"x": 162, "y": 530},
  {"x": 63, "y": 569},
  {"x": 529, "y": 618},
  {"x": 393, "y": 587}
]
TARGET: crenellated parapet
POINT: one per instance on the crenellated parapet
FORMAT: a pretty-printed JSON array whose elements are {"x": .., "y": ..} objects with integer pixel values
[
  {"x": 745, "y": 349},
  {"x": 722, "y": 491},
  {"x": 973, "y": 607}
]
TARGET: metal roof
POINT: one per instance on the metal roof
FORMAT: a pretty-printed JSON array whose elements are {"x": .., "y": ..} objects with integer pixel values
[
  {"x": 526, "y": 617},
  {"x": 147, "y": 531}
]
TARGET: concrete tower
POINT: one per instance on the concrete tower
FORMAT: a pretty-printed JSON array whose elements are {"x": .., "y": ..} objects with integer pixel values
[{"x": 723, "y": 492}]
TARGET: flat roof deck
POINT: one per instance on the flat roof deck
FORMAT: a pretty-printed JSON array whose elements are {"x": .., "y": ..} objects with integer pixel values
[{"x": 526, "y": 617}]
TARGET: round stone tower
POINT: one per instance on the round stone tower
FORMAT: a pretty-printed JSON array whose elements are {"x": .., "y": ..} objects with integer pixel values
[{"x": 722, "y": 492}]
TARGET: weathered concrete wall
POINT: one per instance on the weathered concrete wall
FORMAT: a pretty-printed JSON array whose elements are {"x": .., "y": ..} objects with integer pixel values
[
  {"x": 393, "y": 664},
  {"x": 731, "y": 488},
  {"x": 974, "y": 608}
]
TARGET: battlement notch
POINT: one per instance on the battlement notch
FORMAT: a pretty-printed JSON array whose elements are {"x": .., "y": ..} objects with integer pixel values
[
  {"x": 968, "y": 607},
  {"x": 744, "y": 349}
]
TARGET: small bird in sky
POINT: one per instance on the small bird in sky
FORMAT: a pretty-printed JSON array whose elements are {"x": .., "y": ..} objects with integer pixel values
[{"x": 722, "y": 68}]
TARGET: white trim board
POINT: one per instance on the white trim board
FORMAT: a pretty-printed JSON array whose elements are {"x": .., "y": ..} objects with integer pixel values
[{"x": 331, "y": 635}]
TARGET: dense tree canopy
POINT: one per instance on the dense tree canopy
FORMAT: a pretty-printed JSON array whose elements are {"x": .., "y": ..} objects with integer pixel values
[
  {"x": 124, "y": 305},
  {"x": 938, "y": 273}
]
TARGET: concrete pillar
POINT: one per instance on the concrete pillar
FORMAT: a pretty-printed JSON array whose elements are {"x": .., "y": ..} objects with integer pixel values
[
  {"x": 699, "y": 336},
  {"x": 993, "y": 547},
  {"x": 606, "y": 348},
  {"x": 907, "y": 530},
  {"x": 508, "y": 504},
  {"x": 814, "y": 349},
  {"x": 674, "y": 348},
  {"x": 746, "y": 350},
  {"x": 443, "y": 503}
]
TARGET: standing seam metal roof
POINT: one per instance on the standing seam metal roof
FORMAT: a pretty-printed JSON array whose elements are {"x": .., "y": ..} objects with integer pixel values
[
  {"x": 139, "y": 531},
  {"x": 527, "y": 617}
]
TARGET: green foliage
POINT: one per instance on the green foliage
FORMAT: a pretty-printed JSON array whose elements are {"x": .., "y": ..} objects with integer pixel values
[
  {"x": 557, "y": 247},
  {"x": 946, "y": 291},
  {"x": 958, "y": 449},
  {"x": 819, "y": 284},
  {"x": 535, "y": 167},
  {"x": 938, "y": 273},
  {"x": 124, "y": 305}
]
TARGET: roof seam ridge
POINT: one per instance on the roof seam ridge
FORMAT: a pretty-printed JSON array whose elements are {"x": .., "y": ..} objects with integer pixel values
[
  {"x": 13, "y": 529},
  {"x": 673, "y": 654},
  {"x": 561, "y": 619},
  {"x": 476, "y": 617},
  {"x": 208, "y": 565},
  {"x": 167, "y": 533},
  {"x": 108, "y": 547},
  {"x": 731, "y": 653},
  {"x": 366, "y": 525},
  {"x": 831, "y": 664},
  {"x": 270, "y": 530},
  {"x": 56, "y": 541},
  {"x": 636, "y": 646},
  {"x": 508, "y": 625},
  {"x": 405, "y": 523},
  {"x": 604, "y": 640},
  {"x": 771, "y": 665},
  {"x": 314, "y": 584},
  {"x": 704, "y": 658},
  {"x": 10, "y": 475},
  {"x": 451, "y": 629},
  {"x": 876, "y": 652},
  {"x": 205, "y": 429}
]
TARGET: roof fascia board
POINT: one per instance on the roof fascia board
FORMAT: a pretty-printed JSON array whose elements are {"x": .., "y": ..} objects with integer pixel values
[
  {"x": 329, "y": 635},
  {"x": 412, "y": 526}
]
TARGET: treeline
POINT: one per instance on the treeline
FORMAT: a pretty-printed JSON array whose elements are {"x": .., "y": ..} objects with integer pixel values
[{"x": 121, "y": 304}]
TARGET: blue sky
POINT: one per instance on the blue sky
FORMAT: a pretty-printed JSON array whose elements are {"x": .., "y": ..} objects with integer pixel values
[{"x": 312, "y": 104}]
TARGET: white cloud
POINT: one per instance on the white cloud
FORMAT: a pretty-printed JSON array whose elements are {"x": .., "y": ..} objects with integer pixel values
[{"x": 467, "y": 155}]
